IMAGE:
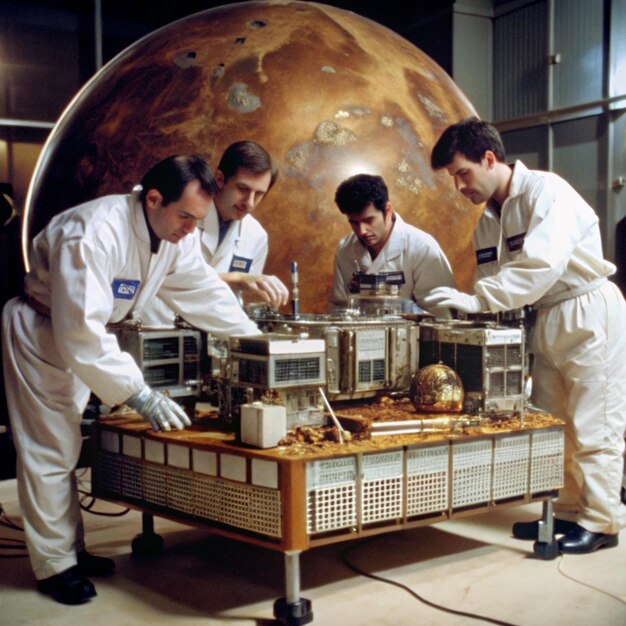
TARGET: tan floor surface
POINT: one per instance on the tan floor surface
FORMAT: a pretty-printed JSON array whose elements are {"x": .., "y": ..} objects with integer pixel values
[{"x": 471, "y": 565}]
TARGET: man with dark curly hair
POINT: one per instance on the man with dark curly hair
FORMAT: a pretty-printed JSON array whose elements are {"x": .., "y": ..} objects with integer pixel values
[{"x": 381, "y": 241}]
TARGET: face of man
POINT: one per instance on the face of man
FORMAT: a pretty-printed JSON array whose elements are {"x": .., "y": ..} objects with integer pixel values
[
  {"x": 476, "y": 181},
  {"x": 241, "y": 193},
  {"x": 372, "y": 226},
  {"x": 178, "y": 219}
]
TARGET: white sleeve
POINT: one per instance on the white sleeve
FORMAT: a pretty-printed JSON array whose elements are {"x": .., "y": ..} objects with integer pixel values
[
  {"x": 431, "y": 269},
  {"x": 81, "y": 302},
  {"x": 194, "y": 290},
  {"x": 559, "y": 219}
]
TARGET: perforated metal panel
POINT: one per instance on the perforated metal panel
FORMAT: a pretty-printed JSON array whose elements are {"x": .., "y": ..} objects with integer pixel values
[
  {"x": 381, "y": 487},
  {"x": 131, "y": 478},
  {"x": 249, "y": 507},
  {"x": 331, "y": 508},
  {"x": 155, "y": 485},
  {"x": 176, "y": 490},
  {"x": 331, "y": 494},
  {"x": 304, "y": 370},
  {"x": 180, "y": 484},
  {"x": 471, "y": 473},
  {"x": 343, "y": 493},
  {"x": 510, "y": 469},
  {"x": 206, "y": 501},
  {"x": 109, "y": 474},
  {"x": 546, "y": 464},
  {"x": 427, "y": 480}
]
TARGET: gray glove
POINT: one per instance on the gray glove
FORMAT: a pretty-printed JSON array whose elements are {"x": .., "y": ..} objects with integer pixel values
[{"x": 160, "y": 411}]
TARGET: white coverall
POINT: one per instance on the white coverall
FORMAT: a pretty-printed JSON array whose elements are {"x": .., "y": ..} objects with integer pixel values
[
  {"x": 91, "y": 266},
  {"x": 409, "y": 249},
  {"x": 243, "y": 249},
  {"x": 546, "y": 250}
]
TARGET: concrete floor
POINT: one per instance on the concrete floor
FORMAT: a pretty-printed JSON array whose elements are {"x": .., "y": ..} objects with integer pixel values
[{"x": 472, "y": 566}]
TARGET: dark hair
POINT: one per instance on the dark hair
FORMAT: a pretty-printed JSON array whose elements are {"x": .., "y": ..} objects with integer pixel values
[
  {"x": 472, "y": 138},
  {"x": 171, "y": 175},
  {"x": 356, "y": 192},
  {"x": 247, "y": 155}
]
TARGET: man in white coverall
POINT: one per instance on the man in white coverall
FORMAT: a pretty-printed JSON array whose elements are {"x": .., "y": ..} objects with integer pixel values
[
  {"x": 382, "y": 242},
  {"x": 538, "y": 243},
  {"x": 96, "y": 264},
  {"x": 232, "y": 241}
]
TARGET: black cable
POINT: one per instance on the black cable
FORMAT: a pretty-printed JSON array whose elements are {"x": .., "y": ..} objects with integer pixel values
[
  {"x": 89, "y": 507},
  {"x": 354, "y": 568},
  {"x": 84, "y": 493},
  {"x": 584, "y": 584}
]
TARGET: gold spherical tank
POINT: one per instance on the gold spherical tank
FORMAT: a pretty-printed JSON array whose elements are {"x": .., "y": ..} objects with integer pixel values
[
  {"x": 327, "y": 92},
  {"x": 437, "y": 388}
]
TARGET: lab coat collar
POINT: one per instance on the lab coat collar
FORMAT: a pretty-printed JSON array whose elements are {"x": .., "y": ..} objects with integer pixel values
[
  {"x": 520, "y": 172},
  {"x": 396, "y": 244},
  {"x": 394, "y": 247},
  {"x": 138, "y": 216},
  {"x": 210, "y": 235},
  {"x": 517, "y": 180},
  {"x": 210, "y": 227}
]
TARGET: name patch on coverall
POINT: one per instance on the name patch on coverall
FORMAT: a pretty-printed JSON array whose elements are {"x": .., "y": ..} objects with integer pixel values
[
  {"x": 516, "y": 242},
  {"x": 240, "y": 264},
  {"x": 486, "y": 255},
  {"x": 125, "y": 288}
]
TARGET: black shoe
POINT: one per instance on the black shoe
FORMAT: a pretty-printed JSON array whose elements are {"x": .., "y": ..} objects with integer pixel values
[
  {"x": 581, "y": 541},
  {"x": 92, "y": 565},
  {"x": 530, "y": 530},
  {"x": 68, "y": 587}
]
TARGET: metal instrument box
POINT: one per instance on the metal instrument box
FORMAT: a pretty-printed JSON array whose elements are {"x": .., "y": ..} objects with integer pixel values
[
  {"x": 169, "y": 358},
  {"x": 283, "y": 369},
  {"x": 488, "y": 357},
  {"x": 364, "y": 355},
  {"x": 277, "y": 361}
]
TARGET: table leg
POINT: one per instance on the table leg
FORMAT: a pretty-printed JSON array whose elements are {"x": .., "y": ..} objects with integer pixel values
[
  {"x": 546, "y": 547},
  {"x": 293, "y": 610}
]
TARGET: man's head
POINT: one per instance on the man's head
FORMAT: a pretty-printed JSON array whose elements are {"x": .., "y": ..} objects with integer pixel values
[
  {"x": 472, "y": 138},
  {"x": 473, "y": 153},
  {"x": 176, "y": 193},
  {"x": 364, "y": 199},
  {"x": 244, "y": 176}
]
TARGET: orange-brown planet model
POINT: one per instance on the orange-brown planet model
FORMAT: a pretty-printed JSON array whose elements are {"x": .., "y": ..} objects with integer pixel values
[{"x": 328, "y": 93}]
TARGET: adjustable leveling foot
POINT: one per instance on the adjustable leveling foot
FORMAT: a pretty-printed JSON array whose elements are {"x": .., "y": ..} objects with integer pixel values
[
  {"x": 293, "y": 613},
  {"x": 147, "y": 543},
  {"x": 546, "y": 547}
]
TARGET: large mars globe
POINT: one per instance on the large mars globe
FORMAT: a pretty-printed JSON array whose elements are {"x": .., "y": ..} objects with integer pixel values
[{"x": 327, "y": 92}]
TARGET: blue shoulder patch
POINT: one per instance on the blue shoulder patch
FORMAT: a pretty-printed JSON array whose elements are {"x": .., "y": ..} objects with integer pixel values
[{"x": 125, "y": 288}]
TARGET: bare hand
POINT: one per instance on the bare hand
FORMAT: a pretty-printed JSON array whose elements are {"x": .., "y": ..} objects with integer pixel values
[{"x": 269, "y": 288}]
